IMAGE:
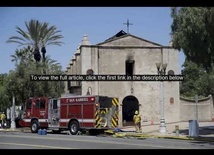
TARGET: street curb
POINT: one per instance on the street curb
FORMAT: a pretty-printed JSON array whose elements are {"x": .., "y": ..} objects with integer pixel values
[
  {"x": 144, "y": 136},
  {"x": 9, "y": 130}
]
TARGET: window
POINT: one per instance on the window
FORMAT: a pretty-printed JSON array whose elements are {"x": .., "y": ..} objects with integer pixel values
[
  {"x": 79, "y": 83},
  {"x": 69, "y": 85},
  {"x": 130, "y": 67},
  {"x": 42, "y": 104},
  {"x": 90, "y": 72},
  {"x": 54, "y": 104},
  {"x": 105, "y": 102},
  {"x": 171, "y": 72}
]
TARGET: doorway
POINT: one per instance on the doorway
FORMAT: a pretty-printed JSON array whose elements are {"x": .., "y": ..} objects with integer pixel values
[{"x": 130, "y": 105}]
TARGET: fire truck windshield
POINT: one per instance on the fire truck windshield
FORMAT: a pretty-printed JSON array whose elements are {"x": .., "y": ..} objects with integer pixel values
[{"x": 105, "y": 102}]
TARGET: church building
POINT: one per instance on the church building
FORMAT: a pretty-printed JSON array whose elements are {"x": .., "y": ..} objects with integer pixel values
[{"x": 127, "y": 54}]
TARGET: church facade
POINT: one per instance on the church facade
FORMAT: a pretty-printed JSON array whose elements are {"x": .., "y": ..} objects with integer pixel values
[{"x": 127, "y": 54}]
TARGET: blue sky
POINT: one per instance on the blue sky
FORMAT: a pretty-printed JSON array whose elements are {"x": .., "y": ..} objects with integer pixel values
[{"x": 99, "y": 23}]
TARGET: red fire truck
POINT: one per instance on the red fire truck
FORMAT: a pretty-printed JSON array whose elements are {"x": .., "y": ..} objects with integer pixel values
[{"x": 73, "y": 113}]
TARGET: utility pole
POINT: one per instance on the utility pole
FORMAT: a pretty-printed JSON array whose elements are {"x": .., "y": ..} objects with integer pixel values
[
  {"x": 196, "y": 107},
  {"x": 161, "y": 67},
  {"x": 13, "y": 124}
]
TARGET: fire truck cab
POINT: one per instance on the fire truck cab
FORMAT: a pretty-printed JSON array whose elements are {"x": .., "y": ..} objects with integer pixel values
[{"x": 73, "y": 113}]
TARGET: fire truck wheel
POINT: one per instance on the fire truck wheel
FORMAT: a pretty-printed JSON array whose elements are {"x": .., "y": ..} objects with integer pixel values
[
  {"x": 74, "y": 127},
  {"x": 34, "y": 126}
]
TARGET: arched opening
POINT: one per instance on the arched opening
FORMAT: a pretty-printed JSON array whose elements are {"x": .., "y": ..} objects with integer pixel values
[{"x": 130, "y": 105}]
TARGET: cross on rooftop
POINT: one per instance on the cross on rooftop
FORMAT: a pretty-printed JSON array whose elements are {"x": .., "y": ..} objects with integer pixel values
[{"x": 127, "y": 23}]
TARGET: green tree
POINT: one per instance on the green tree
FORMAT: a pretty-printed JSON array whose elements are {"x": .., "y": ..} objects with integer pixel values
[
  {"x": 38, "y": 36},
  {"x": 23, "y": 55},
  {"x": 192, "y": 31},
  {"x": 2, "y": 79},
  {"x": 197, "y": 80},
  {"x": 4, "y": 96},
  {"x": 206, "y": 84},
  {"x": 19, "y": 83},
  {"x": 49, "y": 88},
  {"x": 190, "y": 86}
]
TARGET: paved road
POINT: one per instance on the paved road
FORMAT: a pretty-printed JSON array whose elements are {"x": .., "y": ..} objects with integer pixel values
[{"x": 20, "y": 140}]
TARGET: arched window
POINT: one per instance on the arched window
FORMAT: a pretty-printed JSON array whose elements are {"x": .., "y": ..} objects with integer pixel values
[{"x": 90, "y": 72}]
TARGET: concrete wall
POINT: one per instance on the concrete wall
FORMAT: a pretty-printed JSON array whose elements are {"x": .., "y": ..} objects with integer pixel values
[
  {"x": 68, "y": 71},
  {"x": 74, "y": 70},
  {"x": 78, "y": 67},
  {"x": 204, "y": 106},
  {"x": 87, "y": 63}
]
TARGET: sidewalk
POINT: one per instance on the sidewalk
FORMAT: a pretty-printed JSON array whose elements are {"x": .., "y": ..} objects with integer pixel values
[
  {"x": 24, "y": 129},
  {"x": 206, "y": 131}
]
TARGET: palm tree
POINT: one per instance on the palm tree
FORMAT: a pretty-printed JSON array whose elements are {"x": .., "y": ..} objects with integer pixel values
[
  {"x": 49, "y": 66},
  {"x": 17, "y": 56},
  {"x": 38, "y": 36},
  {"x": 23, "y": 56}
]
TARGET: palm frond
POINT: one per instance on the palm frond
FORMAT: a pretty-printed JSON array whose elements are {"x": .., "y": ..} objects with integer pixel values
[
  {"x": 38, "y": 35},
  {"x": 24, "y": 34},
  {"x": 50, "y": 36}
]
